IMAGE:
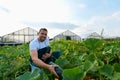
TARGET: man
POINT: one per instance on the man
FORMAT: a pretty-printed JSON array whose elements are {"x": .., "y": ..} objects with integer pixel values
[{"x": 41, "y": 42}]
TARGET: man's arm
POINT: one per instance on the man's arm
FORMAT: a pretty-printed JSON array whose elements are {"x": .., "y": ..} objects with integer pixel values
[{"x": 40, "y": 63}]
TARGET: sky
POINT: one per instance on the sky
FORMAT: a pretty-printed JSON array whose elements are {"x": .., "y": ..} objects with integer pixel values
[{"x": 82, "y": 17}]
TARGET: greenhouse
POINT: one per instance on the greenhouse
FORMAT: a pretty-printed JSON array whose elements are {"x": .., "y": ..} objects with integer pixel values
[
  {"x": 21, "y": 36},
  {"x": 0, "y": 39},
  {"x": 94, "y": 35},
  {"x": 67, "y": 35}
]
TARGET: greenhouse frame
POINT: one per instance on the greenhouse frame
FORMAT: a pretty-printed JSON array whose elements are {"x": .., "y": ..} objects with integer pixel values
[
  {"x": 67, "y": 35},
  {"x": 24, "y": 35},
  {"x": 95, "y": 35}
]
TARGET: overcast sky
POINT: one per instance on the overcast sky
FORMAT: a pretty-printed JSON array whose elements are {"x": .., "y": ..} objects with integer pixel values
[{"x": 80, "y": 16}]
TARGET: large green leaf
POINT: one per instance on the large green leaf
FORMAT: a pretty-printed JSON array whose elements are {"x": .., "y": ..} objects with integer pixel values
[
  {"x": 87, "y": 65},
  {"x": 93, "y": 44},
  {"x": 41, "y": 77},
  {"x": 117, "y": 67},
  {"x": 90, "y": 66},
  {"x": 73, "y": 74},
  {"x": 35, "y": 73},
  {"x": 100, "y": 63},
  {"x": 25, "y": 76},
  {"x": 29, "y": 75},
  {"x": 62, "y": 62},
  {"x": 116, "y": 76},
  {"x": 91, "y": 58},
  {"x": 107, "y": 70}
]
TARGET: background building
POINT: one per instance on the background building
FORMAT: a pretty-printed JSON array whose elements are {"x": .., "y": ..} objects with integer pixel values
[
  {"x": 0, "y": 39},
  {"x": 67, "y": 35},
  {"x": 21, "y": 36},
  {"x": 95, "y": 35}
]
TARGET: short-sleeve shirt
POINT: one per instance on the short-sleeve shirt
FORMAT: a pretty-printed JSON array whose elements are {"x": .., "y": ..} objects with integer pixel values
[{"x": 36, "y": 44}]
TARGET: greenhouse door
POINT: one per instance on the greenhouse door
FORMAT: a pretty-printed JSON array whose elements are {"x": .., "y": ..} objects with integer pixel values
[{"x": 68, "y": 38}]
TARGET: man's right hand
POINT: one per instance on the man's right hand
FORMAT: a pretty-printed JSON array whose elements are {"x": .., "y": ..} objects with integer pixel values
[{"x": 52, "y": 70}]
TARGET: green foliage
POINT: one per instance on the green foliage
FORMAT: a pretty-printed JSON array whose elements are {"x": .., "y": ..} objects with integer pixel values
[
  {"x": 93, "y": 44},
  {"x": 117, "y": 67},
  {"x": 91, "y": 59},
  {"x": 13, "y": 61},
  {"x": 73, "y": 74},
  {"x": 35, "y": 75},
  {"x": 107, "y": 70},
  {"x": 116, "y": 76}
]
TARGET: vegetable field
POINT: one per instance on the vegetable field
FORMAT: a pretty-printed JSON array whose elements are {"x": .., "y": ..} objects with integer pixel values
[{"x": 92, "y": 59}]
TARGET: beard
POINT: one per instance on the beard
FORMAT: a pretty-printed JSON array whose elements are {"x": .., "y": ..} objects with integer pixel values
[{"x": 41, "y": 39}]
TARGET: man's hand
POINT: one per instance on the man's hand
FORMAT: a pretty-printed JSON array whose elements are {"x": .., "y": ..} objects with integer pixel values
[
  {"x": 46, "y": 56},
  {"x": 52, "y": 70}
]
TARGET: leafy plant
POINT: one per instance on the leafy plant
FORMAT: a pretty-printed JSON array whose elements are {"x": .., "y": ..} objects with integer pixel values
[{"x": 91, "y": 59}]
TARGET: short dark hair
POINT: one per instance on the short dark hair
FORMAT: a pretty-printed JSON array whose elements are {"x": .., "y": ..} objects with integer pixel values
[{"x": 43, "y": 29}]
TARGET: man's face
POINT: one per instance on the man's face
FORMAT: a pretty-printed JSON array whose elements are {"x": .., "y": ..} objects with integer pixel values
[{"x": 42, "y": 35}]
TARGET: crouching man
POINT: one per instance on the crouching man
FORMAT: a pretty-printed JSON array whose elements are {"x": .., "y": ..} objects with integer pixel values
[{"x": 41, "y": 54}]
